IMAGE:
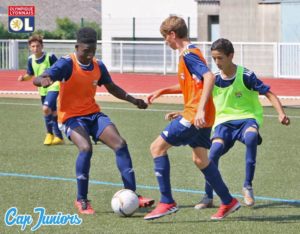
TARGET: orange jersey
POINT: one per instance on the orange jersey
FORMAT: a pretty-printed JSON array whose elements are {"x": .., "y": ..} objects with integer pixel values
[
  {"x": 77, "y": 94},
  {"x": 191, "y": 88}
]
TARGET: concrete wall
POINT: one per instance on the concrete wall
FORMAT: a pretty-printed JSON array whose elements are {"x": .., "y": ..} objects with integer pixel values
[
  {"x": 242, "y": 20},
  {"x": 48, "y": 10},
  {"x": 204, "y": 10}
]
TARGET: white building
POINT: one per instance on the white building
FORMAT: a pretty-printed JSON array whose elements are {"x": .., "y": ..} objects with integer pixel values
[{"x": 140, "y": 20}]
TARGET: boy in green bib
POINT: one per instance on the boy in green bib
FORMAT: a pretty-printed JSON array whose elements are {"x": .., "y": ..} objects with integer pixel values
[
  {"x": 239, "y": 115},
  {"x": 38, "y": 62}
]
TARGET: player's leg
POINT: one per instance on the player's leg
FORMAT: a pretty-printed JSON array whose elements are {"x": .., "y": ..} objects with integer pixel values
[
  {"x": 158, "y": 151},
  {"x": 50, "y": 105},
  {"x": 167, "y": 205},
  {"x": 177, "y": 133},
  {"x": 214, "y": 178},
  {"x": 211, "y": 173},
  {"x": 216, "y": 151},
  {"x": 79, "y": 136},
  {"x": 250, "y": 139},
  {"x": 107, "y": 132},
  {"x": 48, "y": 122},
  {"x": 111, "y": 137}
]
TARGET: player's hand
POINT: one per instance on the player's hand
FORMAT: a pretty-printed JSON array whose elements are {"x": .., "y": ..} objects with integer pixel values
[
  {"x": 45, "y": 82},
  {"x": 172, "y": 115},
  {"x": 199, "y": 121},
  {"x": 24, "y": 77},
  {"x": 284, "y": 120},
  {"x": 141, "y": 104},
  {"x": 152, "y": 96}
]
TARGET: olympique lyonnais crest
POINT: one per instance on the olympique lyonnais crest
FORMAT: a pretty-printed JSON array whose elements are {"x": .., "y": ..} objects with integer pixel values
[{"x": 21, "y": 19}]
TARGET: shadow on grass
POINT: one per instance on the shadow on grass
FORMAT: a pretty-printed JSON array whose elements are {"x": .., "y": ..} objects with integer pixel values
[
  {"x": 276, "y": 205},
  {"x": 274, "y": 219}
]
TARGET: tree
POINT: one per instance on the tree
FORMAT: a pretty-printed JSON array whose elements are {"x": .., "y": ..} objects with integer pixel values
[
  {"x": 4, "y": 34},
  {"x": 66, "y": 29}
]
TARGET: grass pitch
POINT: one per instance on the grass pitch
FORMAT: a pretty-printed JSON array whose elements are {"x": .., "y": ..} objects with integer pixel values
[{"x": 33, "y": 175}]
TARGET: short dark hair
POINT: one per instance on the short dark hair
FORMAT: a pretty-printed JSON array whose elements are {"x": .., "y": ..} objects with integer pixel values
[
  {"x": 223, "y": 45},
  {"x": 86, "y": 35}
]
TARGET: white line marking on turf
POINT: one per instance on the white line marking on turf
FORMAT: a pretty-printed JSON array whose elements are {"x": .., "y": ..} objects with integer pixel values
[
  {"x": 124, "y": 108},
  {"x": 133, "y": 94},
  {"x": 181, "y": 190}
]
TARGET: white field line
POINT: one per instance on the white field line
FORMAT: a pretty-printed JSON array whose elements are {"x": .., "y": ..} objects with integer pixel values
[
  {"x": 122, "y": 108},
  {"x": 135, "y": 94}
]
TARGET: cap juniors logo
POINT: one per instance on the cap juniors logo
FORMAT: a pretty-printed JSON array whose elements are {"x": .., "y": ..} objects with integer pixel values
[
  {"x": 12, "y": 218},
  {"x": 21, "y": 19}
]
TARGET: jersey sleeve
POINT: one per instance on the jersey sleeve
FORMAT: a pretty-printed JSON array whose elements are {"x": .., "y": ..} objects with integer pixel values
[
  {"x": 253, "y": 83},
  {"x": 29, "y": 67},
  {"x": 195, "y": 65},
  {"x": 105, "y": 76},
  {"x": 52, "y": 59},
  {"x": 61, "y": 70}
]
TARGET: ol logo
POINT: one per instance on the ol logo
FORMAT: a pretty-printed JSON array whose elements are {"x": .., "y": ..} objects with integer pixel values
[{"x": 21, "y": 19}]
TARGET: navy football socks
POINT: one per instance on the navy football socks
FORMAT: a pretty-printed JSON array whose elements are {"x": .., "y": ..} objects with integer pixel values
[
  {"x": 214, "y": 178},
  {"x": 48, "y": 123},
  {"x": 124, "y": 164},
  {"x": 56, "y": 130},
  {"x": 83, "y": 163},
  {"x": 251, "y": 151},
  {"x": 215, "y": 153},
  {"x": 162, "y": 173}
]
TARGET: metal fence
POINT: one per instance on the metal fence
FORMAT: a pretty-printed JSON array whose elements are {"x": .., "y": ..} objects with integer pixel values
[{"x": 278, "y": 60}]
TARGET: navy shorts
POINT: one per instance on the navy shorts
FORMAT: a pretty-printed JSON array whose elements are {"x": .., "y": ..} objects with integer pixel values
[
  {"x": 94, "y": 124},
  {"x": 182, "y": 132},
  {"x": 50, "y": 100},
  {"x": 234, "y": 130}
]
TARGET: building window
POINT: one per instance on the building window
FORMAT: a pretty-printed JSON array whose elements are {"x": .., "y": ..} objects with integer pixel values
[{"x": 213, "y": 27}]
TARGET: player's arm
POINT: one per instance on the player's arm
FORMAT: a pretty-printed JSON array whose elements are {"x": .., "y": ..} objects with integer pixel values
[
  {"x": 253, "y": 83},
  {"x": 199, "y": 69},
  {"x": 172, "y": 115},
  {"x": 29, "y": 74},
  {"x": 282, "y": 117},
  {"x": 52, "y": 59},
  {"x": 209, "y": 81},
  {"x": 118, "y": 92},
  {"x": 25, "y": 77},
  {"x": 43, "y": 80},
  {"x": 174, "y": 89},
  {"x": 60, "y": 70}
]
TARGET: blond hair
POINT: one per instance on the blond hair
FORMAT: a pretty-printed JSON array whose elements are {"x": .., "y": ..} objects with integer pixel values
[{"x": 176, "y": 24}]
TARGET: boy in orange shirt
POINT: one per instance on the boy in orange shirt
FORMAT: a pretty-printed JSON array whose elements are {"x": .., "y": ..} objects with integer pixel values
[
  {"x": 192, "y": 126},
  {"x": 80, "y": 73}
]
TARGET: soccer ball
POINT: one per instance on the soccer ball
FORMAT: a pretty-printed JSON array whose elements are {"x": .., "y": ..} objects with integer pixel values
[{"x": 125, "y": 202}]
